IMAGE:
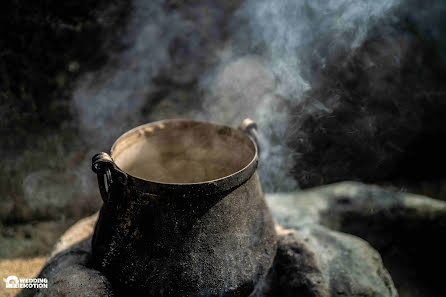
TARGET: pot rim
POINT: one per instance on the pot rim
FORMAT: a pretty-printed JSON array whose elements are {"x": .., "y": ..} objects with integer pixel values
[{"x": 226, "y": 182}]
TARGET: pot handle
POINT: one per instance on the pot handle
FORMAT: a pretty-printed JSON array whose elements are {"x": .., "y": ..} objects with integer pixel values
[
  {"x": 108, "y": 174},
  {"x": 250, "y": 127}
]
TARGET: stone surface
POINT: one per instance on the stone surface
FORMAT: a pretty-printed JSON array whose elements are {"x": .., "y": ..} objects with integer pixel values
[
  {"x": 315, "y": 261},
  {"x": 77, "y": 280},
  {"x": 404, "y": 228},
  {"x": 311, "y": 261},
  {"x": 67, "y": 268},
  {"x": 77, "y": 233},
  {"x": 314, "y": 257}
]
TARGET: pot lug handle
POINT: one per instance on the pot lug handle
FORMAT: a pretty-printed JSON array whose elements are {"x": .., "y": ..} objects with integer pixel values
[
  {"x": 108, "y": 173},
  {"x": 250, "y": 127}
]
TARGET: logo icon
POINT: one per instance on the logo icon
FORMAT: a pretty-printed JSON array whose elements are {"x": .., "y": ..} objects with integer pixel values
[{"x": 12, "y": 281}]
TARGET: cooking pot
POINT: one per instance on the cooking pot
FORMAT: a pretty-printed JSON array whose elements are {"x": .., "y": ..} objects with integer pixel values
[{"x": 183, "y": 211}]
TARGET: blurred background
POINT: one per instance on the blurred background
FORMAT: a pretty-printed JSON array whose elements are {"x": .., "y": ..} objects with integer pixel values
[{"x": 341, "y": 90}]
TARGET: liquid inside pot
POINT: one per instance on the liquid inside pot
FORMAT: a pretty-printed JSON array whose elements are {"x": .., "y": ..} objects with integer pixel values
[{"x": 183, "y": 152}]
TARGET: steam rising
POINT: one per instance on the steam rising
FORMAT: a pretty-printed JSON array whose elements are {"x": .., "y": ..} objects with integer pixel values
[
  {"x": 109, "y": 102},
  {"x": 271, "y": 55},
  {"x": 301, "y": 34},
  {"x": 267, "y": 67}
]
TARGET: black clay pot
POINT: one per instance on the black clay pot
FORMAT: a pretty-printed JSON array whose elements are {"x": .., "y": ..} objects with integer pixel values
[{"x": 183, "y": 212}]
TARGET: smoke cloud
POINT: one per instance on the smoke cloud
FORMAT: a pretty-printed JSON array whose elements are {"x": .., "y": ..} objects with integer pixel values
[
  {"x": 269, "y": 63},
  {"x": 256, "y": 60},
  {"x": 108, "y": 102}
]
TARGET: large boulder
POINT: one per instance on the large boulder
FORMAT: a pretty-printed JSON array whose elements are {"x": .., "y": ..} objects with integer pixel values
[
  {"x": 67, "y": 268},
  {"x": 316, "y": 261},
  {"x": 405, "y": 228}
]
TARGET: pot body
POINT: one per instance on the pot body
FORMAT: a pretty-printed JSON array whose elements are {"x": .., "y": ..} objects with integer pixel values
[{"x": 207, "y": 238}]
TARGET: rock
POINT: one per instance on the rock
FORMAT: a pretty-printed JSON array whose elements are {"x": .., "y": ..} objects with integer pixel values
[
  {"x": 311, "y": 260},
  {"x": 77, "y": 233},
  {"x": 314, "y": 258},
  {"x": 403, "y": 227},
  {"x": 315, "y": 261},
  {"x": 77, "y": 280},
  {"x": 67, "y": 269}
]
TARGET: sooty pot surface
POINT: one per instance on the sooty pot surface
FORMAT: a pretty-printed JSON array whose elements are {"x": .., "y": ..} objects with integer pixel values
[{"x": 183, "y": 212}]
